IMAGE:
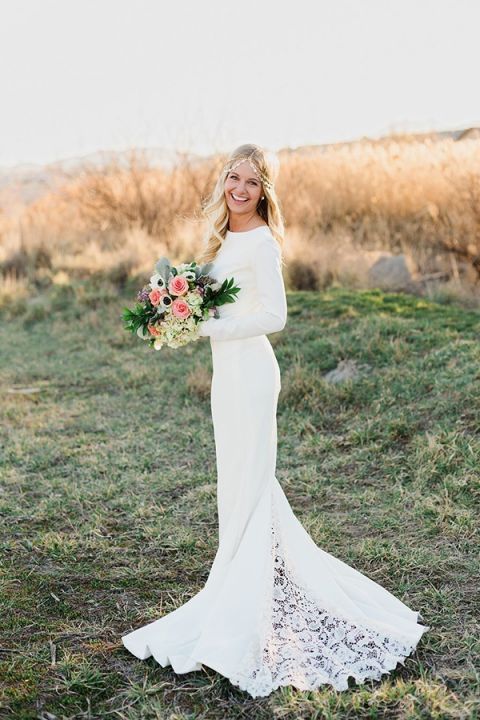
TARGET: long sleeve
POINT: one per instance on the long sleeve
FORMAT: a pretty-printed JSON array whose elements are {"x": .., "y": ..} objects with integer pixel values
[{"x": 266, "y": 264}]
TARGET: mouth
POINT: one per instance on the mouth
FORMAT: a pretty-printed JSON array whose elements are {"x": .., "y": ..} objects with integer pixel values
[{"x": 237, "y": 199}]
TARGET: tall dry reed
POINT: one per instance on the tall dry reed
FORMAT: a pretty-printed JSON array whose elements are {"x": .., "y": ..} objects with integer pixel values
[{"x": 341, "y": 203}]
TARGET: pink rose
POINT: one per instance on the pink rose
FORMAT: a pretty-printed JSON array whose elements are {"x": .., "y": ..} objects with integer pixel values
[
  {"x": 153, "y": 330},
  {"x": 178, "y": 285},
  {"x": 180, "y": 308},
  {"x": 155, "y": 296}
]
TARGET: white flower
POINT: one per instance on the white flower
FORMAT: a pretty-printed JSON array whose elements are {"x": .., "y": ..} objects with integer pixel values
[
  {"x": 193, "y": 299},
  {"x": 188, "y": 274},
  {"x": 157, "y": 282}
]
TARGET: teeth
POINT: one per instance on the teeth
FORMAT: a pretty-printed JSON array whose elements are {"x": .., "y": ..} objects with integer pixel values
[{"x": 237, "y": 198}]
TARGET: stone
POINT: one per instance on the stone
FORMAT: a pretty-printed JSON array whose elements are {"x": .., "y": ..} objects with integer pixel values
[
  {"x": 345, "y": 370},
  {"x": 390, "y": 272}
]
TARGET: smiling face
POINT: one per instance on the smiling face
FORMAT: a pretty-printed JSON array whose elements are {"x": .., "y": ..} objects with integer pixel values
[{"x": 243, "y": 190}]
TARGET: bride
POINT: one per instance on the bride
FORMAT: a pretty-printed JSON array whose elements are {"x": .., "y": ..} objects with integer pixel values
[{"x": 276, "y": 609}]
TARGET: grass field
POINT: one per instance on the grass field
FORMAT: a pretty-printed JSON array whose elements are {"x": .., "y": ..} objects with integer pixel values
[{"x": 108, "y": 506}]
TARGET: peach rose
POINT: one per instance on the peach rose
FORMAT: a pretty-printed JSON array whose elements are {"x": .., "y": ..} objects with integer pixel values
[
  {"x": 178, "y": 285},
  {"x": 154, "y": 330},
  {"x": 155, "y": 296},
  {"x": 180, "y": 308}
]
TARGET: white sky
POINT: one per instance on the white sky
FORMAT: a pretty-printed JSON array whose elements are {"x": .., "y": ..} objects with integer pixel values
[{"x": 78, "y": 76}]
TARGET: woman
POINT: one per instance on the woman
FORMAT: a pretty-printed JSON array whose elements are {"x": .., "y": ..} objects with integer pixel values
[{"x": 276, "y": 609}]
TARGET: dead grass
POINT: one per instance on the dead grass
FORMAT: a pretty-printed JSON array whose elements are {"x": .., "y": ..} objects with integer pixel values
[{"x": 344, "y": 206}]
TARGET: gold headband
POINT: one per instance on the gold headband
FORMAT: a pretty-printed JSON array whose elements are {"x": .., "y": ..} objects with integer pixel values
[{"x": 261, "y": 175}]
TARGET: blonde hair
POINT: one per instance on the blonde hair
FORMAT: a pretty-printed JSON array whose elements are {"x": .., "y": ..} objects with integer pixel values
[{"x": 215, "y": 209}]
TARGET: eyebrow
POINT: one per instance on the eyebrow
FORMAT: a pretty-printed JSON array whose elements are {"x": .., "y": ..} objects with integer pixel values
[{"x": 252, "y": 177}]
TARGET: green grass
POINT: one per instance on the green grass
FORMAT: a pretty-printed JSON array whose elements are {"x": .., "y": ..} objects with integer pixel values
[{"x": 108, "y": 506}]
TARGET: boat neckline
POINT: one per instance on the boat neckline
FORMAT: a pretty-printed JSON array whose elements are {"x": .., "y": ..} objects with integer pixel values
[{"x": 245, "y": 232}]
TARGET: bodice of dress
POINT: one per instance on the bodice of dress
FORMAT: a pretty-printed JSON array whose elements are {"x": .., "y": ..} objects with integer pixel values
[{"x": 253, "y": 259}]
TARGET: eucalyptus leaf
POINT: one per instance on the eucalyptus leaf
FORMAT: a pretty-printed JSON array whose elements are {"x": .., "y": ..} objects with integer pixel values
[
  {"x": 205, "y": 269},
  {"x": 163, "y": 268}
]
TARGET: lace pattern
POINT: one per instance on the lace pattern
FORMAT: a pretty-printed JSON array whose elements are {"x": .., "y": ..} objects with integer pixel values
[{"x": 305, "y": 645}]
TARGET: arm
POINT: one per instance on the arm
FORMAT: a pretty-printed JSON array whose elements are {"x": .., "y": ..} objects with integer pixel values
[{"x": 271, "y": 292}]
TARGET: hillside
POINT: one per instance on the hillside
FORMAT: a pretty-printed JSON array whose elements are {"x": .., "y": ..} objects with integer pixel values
[{"x": 25, "y": 183}]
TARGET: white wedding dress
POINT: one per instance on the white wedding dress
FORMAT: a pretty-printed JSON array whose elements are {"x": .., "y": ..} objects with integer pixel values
[{"x": 276, "y": 609}]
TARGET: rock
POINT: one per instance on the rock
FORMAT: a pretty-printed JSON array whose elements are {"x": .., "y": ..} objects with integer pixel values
[
  {"x": 24, "y": 391},
  {"x": 391, "y": 272},
  {"x": 345, "y": 370}
]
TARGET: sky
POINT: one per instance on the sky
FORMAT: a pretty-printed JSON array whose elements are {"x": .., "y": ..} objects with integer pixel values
[{"x": 80, "y": 76}]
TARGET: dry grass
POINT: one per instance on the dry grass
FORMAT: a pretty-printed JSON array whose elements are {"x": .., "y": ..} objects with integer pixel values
[{"x": 343, "y": 207}]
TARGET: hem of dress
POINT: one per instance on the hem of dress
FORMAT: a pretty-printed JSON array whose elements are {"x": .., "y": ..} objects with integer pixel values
[
  {"x": 196, "y": 664},
  {"x": 340, "y": 686},
  {"x": 180, "y": 664},
  {"x": 390, "y": 664}
]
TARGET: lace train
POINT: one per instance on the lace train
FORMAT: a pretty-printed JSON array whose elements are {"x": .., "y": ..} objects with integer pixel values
[{"x": 305, "y": 645}]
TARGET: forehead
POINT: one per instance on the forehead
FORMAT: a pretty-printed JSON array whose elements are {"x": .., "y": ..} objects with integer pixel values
[{"x": 244, "y": 168}]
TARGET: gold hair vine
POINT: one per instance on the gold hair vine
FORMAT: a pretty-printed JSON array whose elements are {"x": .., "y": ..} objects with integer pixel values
[{"x": 265, "y": 180}]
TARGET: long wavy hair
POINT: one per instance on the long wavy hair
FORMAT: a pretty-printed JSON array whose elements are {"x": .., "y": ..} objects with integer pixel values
[{"x": 215, "y": 209}]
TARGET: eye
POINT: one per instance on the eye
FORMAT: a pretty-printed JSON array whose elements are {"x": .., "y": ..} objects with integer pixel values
[{"x": 234, "y": 176}]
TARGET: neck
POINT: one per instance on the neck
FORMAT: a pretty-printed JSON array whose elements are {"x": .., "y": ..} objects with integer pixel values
[{"x": 244, "y": 224}]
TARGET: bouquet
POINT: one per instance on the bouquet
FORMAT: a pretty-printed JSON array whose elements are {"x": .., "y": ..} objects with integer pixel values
[{"x": 170, "y": 307}]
